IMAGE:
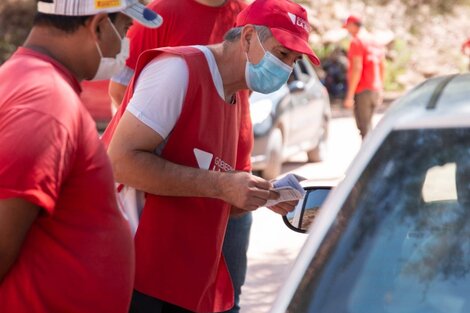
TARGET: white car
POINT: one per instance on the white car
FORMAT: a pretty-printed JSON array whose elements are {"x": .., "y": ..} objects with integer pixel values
[{"x": 394, "y": 235}]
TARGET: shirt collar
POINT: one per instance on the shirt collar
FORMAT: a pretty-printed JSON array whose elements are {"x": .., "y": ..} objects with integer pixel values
[{"x": 72, "y": 81}]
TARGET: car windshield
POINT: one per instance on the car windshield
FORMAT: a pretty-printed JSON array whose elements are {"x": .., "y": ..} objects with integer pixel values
[{"x": 401, "y": 241}]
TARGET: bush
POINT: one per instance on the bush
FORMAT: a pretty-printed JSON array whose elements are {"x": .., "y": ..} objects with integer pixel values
[{"x": 16, "y": 18}]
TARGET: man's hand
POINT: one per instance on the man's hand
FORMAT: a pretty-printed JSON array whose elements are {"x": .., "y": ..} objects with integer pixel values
[
  {"x": 283, "y": 208},
  {"x": 348, "y": 103},
  {"x": 245, "y": 191}
]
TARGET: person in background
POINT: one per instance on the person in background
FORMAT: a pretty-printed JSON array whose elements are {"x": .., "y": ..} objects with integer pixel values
[
  {"x": 336, "y": 67},
  {"x": 466, "y": 51},
  {"x": 366, "y": 73},
  {"x": 65, "y": 246},
  {"x": 183, "y": 103},
  {"x": 214, "y": 19}
]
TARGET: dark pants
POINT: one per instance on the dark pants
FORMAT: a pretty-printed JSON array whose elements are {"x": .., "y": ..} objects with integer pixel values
[
  {"x": 237, "y": 238},
  {"x": 365, "y": 104},
  {"x": 141, "y": 303}
]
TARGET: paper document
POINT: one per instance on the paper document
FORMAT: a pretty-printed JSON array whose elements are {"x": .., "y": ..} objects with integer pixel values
[{"x": 288, "y": 188}]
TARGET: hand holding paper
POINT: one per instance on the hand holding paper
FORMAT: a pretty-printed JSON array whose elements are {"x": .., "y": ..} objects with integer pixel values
[{"x": 288, "y": 188}]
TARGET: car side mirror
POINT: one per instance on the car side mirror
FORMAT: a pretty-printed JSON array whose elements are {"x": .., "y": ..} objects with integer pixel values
[
  {"x": 296, "y": 86},
  {"x": 302, "y": 216}
]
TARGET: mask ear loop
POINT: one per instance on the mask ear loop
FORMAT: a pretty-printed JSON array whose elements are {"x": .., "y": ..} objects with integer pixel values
[
  {"x": 117, "y": 34},
  {"x": 115, "y": 29},
  {"x": 261, "y": 45}
]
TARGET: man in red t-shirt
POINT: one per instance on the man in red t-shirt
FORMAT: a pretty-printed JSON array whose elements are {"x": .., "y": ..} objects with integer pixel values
[
  {"x": 65, "y": 245},
  {"x": 214, "y": 19},
  {"x": 365, "y": 74}
]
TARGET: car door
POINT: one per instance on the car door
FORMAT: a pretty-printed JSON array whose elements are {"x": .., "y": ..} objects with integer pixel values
[{"x": 308, "y": 105}]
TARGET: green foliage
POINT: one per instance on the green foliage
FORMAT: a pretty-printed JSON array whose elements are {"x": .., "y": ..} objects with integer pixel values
[
  {"x": 436, "y": 6},
  {"x": 16, "y": 18},
  {"x": 396, "y": 64}
]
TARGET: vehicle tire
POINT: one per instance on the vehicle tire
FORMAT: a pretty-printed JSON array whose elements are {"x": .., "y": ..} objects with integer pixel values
[
  {"x": 318, "y": 153},
  {"x": 274, "y": 155}
]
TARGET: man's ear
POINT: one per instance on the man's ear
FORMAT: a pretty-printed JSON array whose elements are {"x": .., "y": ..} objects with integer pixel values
[
  {"x": 246, "y": 36},
  {"x": 94, "y": 24}
]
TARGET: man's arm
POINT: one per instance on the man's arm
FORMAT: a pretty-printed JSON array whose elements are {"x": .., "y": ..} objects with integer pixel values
[
  {"x": 135, "y": 164},
  {"x": 353, "y": 80},
  {"x": 382, "y": 69},
  {"x": 116, "y": 92},
  {"x": 118, "y": 85},
  {"x": 16, "y": 218}
]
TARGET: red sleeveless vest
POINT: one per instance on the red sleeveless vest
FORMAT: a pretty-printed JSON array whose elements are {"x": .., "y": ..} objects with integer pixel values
[{"x": 179, "y": 239}]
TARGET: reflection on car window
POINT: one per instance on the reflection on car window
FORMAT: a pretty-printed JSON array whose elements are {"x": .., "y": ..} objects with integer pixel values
[
  {"x": 291, "y": 77},
  {"x": 392, "y": 249},
  {"x": 304, "y": 74},
  {"x": 439, "y": 184}
]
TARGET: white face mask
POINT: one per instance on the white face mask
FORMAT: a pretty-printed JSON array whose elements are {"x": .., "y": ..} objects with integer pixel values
[{"x": 110, "y": 66}]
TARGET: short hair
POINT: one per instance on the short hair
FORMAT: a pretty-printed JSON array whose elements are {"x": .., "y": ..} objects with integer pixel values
[
  {"x": 234, "y": 34},
  {"x": 68, "y": 24}
]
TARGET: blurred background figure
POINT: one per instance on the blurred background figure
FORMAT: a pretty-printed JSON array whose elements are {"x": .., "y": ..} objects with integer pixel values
[
  {"x": 366, "y": 74},
  {"x": 466, "y": 51},
  {"x": 335, "y": 67}
]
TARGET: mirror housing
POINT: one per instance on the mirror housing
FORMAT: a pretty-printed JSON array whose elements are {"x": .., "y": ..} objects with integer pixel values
[
  {"x": 302, "y": 216},
  {"x": 296, "y": 86}
]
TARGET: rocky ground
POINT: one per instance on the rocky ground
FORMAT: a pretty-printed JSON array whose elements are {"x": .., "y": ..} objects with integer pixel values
[{"x": 425, "y": 43}]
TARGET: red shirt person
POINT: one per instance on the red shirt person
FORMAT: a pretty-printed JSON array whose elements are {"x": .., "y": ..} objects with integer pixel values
[
  {"x": 466, "y": 51},
  {"x": 466, "y": 47},
  {"x": 65, "y": 245},
  {"x": 365, "y": 74},
  {"x": 184, "y": 160}
]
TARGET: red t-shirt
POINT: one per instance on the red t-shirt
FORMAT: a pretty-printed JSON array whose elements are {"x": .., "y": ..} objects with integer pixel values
[
  {"x": 186, "y": 23},
  {"x": 78, "y": 255},
  {"x": 372, "y": 55}
]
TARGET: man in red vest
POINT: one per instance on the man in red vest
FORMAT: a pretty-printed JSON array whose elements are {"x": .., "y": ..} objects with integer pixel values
[
  {"x": 365, "y": 74},
  {"x": 175, "y": 137},
  {"x": 214, "y": 19}
]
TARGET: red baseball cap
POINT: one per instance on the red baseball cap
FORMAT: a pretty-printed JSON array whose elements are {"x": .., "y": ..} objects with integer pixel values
[
  {"x": 352, "y": 19},
  {"x": 287, "y": 21}
]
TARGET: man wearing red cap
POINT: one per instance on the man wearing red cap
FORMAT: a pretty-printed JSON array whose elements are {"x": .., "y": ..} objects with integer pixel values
[
  {"x": 365, "y": 74},
  {"x": 215, "y": 18},
  {"x": 185, "y": 162}
]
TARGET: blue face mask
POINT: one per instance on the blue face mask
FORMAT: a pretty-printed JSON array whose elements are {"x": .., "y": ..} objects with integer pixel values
[{"x": 268, "y": 75}]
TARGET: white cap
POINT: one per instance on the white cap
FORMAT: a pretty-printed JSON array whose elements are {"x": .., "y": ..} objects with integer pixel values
[{"x": 132, "y": 8}]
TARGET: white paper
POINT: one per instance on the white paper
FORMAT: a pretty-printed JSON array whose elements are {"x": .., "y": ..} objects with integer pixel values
[{"x": 288, "y": 188}]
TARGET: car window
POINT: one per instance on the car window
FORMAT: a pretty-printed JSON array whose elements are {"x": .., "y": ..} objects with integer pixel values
[{"x": 400, "y": 242}]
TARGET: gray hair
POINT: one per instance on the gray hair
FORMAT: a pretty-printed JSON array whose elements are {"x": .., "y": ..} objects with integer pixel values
[{"x": 234, "y": 34}]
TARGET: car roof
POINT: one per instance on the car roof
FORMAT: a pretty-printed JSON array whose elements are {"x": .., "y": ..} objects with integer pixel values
[{"x": 437, "y": 102}]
